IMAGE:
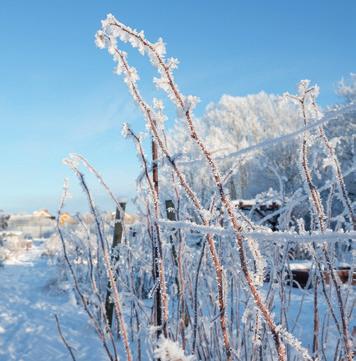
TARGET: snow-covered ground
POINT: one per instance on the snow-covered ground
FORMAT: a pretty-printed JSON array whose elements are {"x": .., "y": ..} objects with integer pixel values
[
  {"x": 29, "y": 299},
  {"x": 32, "y": 292}
]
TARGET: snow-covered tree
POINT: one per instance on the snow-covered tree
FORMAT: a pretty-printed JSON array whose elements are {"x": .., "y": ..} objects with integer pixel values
[
  {"x": 237, "y": 123},
  {"x": 348, "y": 89}
]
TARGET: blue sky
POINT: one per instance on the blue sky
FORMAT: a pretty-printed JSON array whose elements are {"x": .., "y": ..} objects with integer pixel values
[{"x": 58, "y": 93}]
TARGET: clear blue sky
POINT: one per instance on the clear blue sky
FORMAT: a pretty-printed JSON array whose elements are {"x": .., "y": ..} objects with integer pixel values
[{"x": 58, "y": 93}]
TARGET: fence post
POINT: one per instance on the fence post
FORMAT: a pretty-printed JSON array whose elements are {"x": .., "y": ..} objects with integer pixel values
[
  {"x": 171, "y": 216},
  {"x": 118, "y": 230}
]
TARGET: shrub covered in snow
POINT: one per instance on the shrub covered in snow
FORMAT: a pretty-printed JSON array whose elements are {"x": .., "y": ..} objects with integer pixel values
[{"x": 12, "y": 244}]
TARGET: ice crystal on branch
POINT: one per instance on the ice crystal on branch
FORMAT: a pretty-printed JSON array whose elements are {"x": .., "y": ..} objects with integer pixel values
[
  {"x": 125, "y": 131},
  {"x": 158, "y": 104},
  {"x": 100, "y": 39}
]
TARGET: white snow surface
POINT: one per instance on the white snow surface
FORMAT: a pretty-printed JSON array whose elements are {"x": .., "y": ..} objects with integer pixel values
[{"x": 29, "y": 298}]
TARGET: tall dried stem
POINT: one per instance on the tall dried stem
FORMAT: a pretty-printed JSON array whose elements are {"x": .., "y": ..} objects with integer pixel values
[
  {"x": 158, "y": 262},
  {"x": 318, "y": 212},
  {"x": 108, "y": 266},
  {"x": 226, "y": 203},
  {"x": 82, "y": 297},
  {"x": 191, "y": 195}
]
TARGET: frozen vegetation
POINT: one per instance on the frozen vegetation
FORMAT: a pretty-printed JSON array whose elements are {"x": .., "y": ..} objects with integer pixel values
[{"x": 242, "y": 247}]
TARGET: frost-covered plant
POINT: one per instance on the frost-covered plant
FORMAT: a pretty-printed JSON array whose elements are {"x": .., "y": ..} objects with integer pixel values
[
  {"x": 102, "y": 243},
  {"x": 112, "y": 29},
  {"x": 223, "y": 280},
  {"x": 307, "y": 100}
]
